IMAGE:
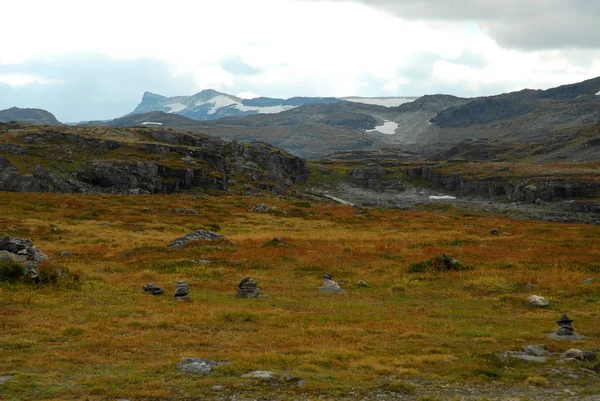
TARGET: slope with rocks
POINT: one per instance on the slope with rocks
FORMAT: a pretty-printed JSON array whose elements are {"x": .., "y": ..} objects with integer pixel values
[
  {"x": 29, "y": 116},
  {"x": 137, "y": 160}
]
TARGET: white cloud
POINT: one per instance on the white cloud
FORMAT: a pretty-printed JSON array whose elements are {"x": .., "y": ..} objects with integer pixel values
[{"x": 16, "y": 80}]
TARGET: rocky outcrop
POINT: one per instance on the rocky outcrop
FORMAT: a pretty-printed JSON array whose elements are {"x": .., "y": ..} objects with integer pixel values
[
  {"x": 546, "y": 190},
  {"x": 374, "y": 177},
  {"x": 144, "y": 161}
]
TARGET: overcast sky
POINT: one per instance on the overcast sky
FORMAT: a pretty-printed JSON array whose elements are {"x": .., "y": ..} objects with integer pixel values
[{"x": 89, "y": 59}]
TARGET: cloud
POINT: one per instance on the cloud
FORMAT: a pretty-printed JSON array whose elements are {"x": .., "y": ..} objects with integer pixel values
[
  {"x": 515, "y": 24},
  {"x": 94, "y": 60}
]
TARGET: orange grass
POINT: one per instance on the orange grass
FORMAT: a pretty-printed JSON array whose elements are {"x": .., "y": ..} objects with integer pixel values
[{"x": 105, "y": 339}]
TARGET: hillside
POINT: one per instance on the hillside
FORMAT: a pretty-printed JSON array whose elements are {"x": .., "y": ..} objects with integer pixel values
[
  {"x": 137, "y": 160},
  {"x": 29, "y": 116}
]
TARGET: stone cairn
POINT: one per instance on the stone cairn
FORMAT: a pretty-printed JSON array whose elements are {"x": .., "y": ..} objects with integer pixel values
[
  {"x": 182, "y": 291},
  {"x": 248, "y": 288},
  {"x": 153, "y": 289},
  {"x": 329, "y": 285},
  {"x": 565, "y": 326},
  {"x": 22, "y": 251}
]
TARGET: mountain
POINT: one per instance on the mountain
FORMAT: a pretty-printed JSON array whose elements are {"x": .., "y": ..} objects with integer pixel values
[
  {"x": 211, "y": 105},
  {"x": 30, "y": 116}
]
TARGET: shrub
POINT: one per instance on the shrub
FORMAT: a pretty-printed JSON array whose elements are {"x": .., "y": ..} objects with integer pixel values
[
  {"x": 442, "y": 263},
  {"x": 11, "y": 271}
]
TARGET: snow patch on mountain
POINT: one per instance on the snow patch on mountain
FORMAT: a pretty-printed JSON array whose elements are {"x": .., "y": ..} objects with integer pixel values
[
  {"x": 218, "y": 102},
  {"x": 388, "y": 128},
  {"x": 175, "y": 107},
  {"x": 264, "y": 110}
]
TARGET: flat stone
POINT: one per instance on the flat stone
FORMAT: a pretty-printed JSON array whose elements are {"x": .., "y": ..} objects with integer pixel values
[
  {"x": 535, "y": 350},
  {"x": 572, "y": 337},
  {"x": 260, "y": 374},
  {"x": 196, "y": 366},
  {"x": 526, "y": 357},
  {"x": 362, "y": 284},
  {"x": 4, "y": 379}
]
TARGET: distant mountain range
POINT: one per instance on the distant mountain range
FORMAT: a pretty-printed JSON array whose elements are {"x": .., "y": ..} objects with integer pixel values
[
  {"x": 212, "y": 105},
  {"x": 30, "y": 116},
  {"x": 555, "y": 124}
]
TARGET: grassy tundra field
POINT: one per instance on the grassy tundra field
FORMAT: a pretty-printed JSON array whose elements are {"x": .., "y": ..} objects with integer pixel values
[{"x": 95, "y": 335}]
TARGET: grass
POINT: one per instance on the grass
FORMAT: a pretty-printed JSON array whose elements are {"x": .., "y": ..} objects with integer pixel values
[{"x": 100, "y": 337}]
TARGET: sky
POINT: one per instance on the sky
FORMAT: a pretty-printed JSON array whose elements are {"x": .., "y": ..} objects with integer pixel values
[{"x": 90, "y": 59}]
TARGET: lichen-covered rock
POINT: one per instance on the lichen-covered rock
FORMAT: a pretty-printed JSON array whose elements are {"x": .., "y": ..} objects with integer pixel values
[
  {"x": 199, "y": 235},
  {"x": 23, "y": 251},
  {"x": 536, "y": 300}
]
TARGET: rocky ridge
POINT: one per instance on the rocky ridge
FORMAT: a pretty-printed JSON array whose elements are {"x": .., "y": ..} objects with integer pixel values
[{"x": 137, "y": 160}]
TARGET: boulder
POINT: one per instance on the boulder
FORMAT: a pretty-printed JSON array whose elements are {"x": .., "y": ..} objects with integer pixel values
[
  {"x": 199, "y": 235},
  {"x": 261, "y": 208},
  {"x": 23, "y": 251},
  {"x": 538, "y": 301},
  {"x": 573, "y": 353},
  {"x": 330, "y": 286},
  {"x": 495, "y": 231},
  {"x": 362, "y": 284},
  {"x": 152, "y": 288},
  {"x": 196, "y": 366}
]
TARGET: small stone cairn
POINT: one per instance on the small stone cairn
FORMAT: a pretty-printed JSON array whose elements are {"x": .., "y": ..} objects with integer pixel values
[
  {"x": 152, "y": 288},
  {"x": 329, "y": 285},
  {"x": 248, "y": 288},
  {"x": 565, "y": 330},
  {"x": 182, "y": 291}
]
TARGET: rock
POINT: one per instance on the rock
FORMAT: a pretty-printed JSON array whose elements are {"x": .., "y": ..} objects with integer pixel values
[
  {"x": 362, "y": 284},
  {"x": 248, "y": 288},
  {"x": 181, "y": 292},
  {"x": 495, "y": 231},
  {"x": 261, "y": 208},
  {"x": 196, "y": 366},
  {"x": 65, "y": 253},
  {"x": 23, "y": 251},
  {"x": 589, "y": 355},
  {"x": 199, "y": 235},
  {"x": 153, "y": 289},
  {"x": 184, "y": 211},
  {"x": 571, "y": 337},
  {"x": 535, "y": 350},
  {"x": 527, "y": 357},
  {"x": 6, "y": 256},
  {"x": 201, "y": 261},
  {"x": 330, "y": 286},
  {"x": 536, "y": 300},
  {"x": 4, "y": 379},
  {"x": 573, "y": 353},
  {"x": 277, "y": 242},
  {"x": 260, "y": 374},
  {"x": 588, "y": 280},
  {"x": 528, "y": 286}
]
